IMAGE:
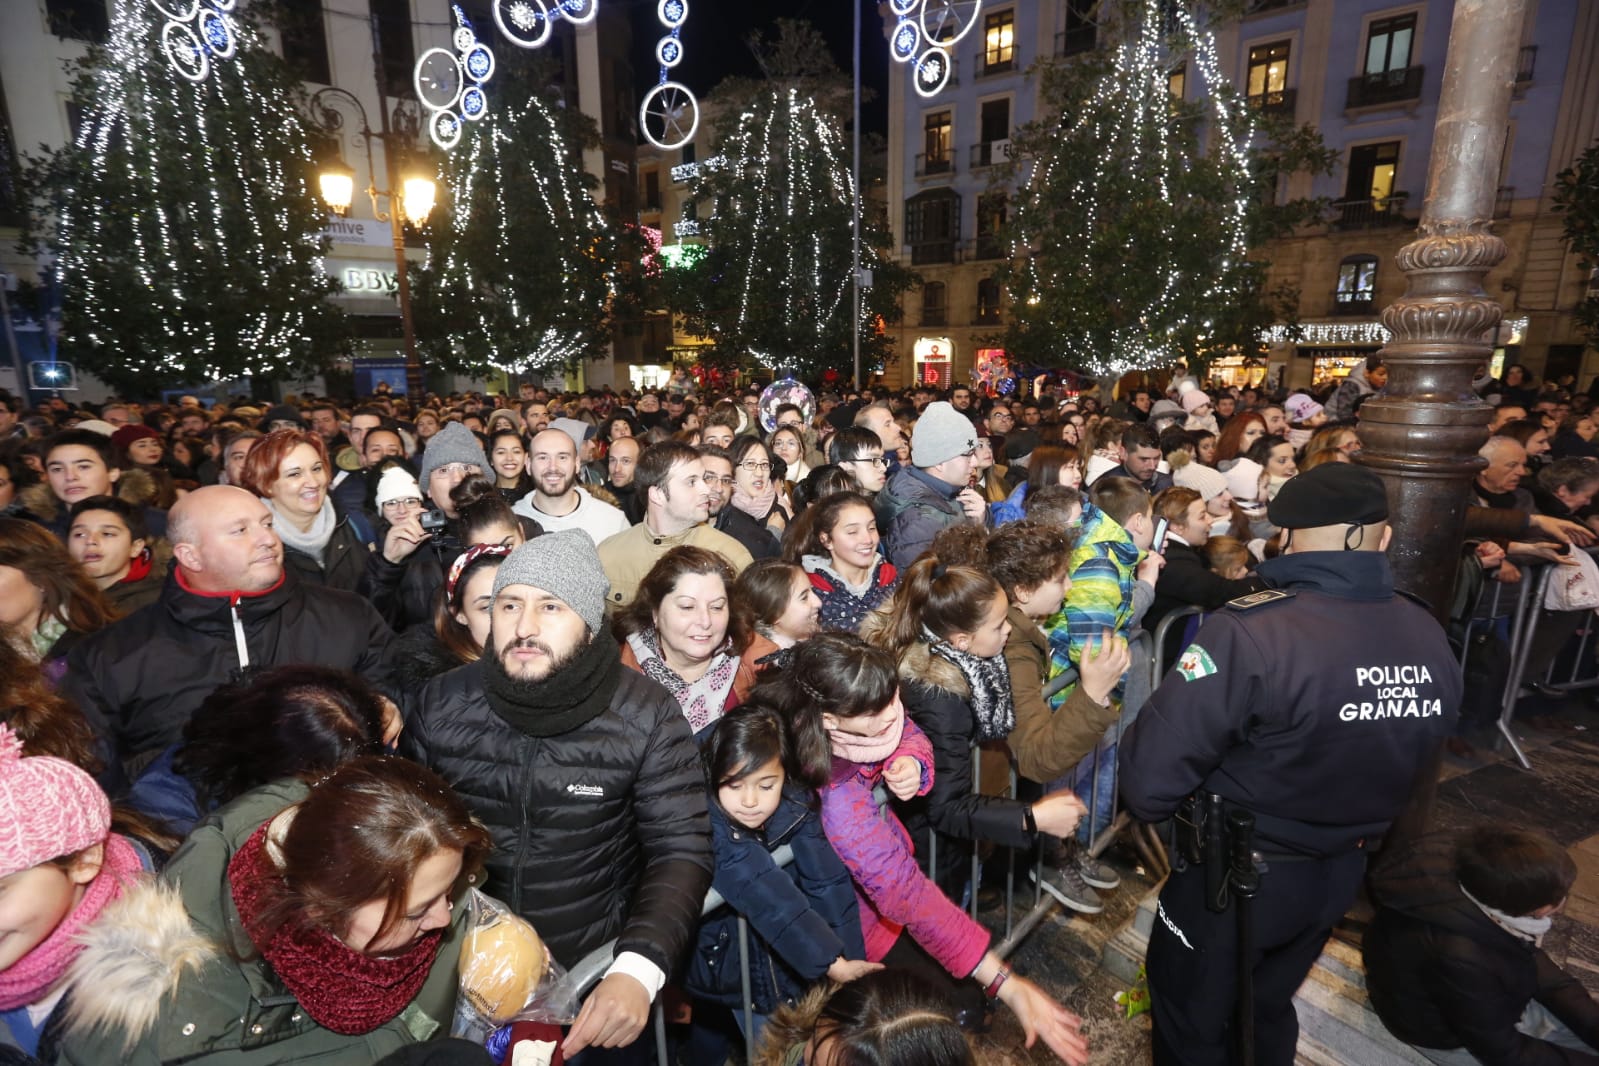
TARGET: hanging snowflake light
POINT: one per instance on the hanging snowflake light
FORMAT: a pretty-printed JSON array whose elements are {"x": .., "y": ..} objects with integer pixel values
[
  {"x": 669, "y": 115},
  {"x": 196, "y": 33},
  {"x": 925, "y": 34},
  {"x": 450, "y": 84}
]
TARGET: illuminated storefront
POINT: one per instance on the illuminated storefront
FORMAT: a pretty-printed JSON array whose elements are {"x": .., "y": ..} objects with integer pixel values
[{"x": 934, "y": 359}]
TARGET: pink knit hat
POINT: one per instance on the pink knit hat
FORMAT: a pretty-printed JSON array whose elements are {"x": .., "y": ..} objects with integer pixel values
[
  {"x": 48, "y": 808},
  {"x": 1243, "y": 478},
  {"x": 1193, "y": 400}
]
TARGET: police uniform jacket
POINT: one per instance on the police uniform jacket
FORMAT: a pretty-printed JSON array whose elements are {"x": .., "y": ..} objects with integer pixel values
[{"x": 1313, "y": 708}]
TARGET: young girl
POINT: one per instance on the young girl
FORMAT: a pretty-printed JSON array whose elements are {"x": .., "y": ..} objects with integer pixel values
[
  {"x": 1228, "y": 557},
  {"x": 892, "y": 1018},
  {"x": 946, "y": 627},
  {"x": 781, "y": 602},
  {"x": 803, "y": 922},
  {"x": 840, "y": 697},
  {"x": 839, "y": 552},
  {"x": 60, "y": 867}
]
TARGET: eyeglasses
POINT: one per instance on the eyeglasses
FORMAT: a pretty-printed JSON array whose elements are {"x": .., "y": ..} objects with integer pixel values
[
  {"x": 711, "y": 479},
  {"x": 875, "y": 460},
  {"x": 408, "y": 504},
  {"x": 756, "y": 468}
]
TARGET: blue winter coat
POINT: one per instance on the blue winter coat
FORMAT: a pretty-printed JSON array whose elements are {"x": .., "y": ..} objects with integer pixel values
[{"x": 802, "y": 917}]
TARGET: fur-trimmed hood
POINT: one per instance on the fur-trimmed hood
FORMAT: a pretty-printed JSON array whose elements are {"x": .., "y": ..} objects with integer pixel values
[
  {"x": 134, "y": 486},
  {"x": 133, "y": 957},
  {"x": 917, "y": 663}
]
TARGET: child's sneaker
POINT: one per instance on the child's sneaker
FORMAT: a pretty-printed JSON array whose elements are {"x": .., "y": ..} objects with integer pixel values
[
  {"x": 1096, "y": 873},
  {"x": 1065, "y": 882}
]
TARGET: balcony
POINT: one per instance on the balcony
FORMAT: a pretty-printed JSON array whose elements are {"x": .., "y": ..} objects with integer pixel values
[
  {"x": 1354, "y": 303},
  {"x": 1077, "y": 40},
  {"x": 1371, "y": 214},
  {"x": 935, "y": 166},
  {"x": 988, "y": 64},
  {"x": 985, "y": 315},
  {"x": 1280, "y": 102},
  {"x": 990, "y": 154},
  {"x": 927, "y": 253},
  {"x": 1385, "y": 87}
]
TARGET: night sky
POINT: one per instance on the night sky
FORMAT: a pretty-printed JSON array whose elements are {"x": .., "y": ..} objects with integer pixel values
[{"x": 714, "y": 43}]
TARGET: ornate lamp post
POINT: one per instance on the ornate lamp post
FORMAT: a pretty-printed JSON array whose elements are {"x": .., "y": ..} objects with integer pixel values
[{"x": 411, "y": 194}]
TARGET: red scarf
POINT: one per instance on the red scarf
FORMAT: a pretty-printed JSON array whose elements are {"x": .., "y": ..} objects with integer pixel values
[
  {"x": 343, "y": 990},
  {"x": 138, "y": 568}
]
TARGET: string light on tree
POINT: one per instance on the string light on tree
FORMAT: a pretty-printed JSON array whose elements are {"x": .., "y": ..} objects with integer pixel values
[
  {"x": 188, "y": 240},
  {"x": 669, "y": 116},
  {"x": 1120, "y": 167}
]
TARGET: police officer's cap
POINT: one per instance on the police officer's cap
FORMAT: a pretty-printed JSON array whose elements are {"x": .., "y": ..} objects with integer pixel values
[{"x": 1332, "y": 494}]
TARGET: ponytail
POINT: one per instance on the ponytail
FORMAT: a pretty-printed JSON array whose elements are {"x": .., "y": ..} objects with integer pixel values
[
  {"x": 937, "y": 598},
  {"x": 832, "y": 673}
]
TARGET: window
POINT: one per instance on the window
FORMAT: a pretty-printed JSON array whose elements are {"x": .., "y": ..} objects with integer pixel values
[
  {"x": 932, "y": 226},
  {"x": 999, "y": 41},
  {"x": 1357, "y": 285},
  {"x": 652, "y": 190},
  {"x": 82, "y": 20},
  {"x": 1080, "y": 33},
  {"x": 987, "y": 303},
  {"x": 1267, "y": 83},
  {"x": 397, "y": 44},
  {"x": 992, "y": 210},
  {"x": 937, "y": 134},
  {"x": 1388, "y": 44},
  {"x": 305, "y": 40},
  {"x": 1369, "y": 197},
  {"x": 934, "y": 310},
  {"x": 994, "y": 120},
  {"x": 688, "y": 153},
  {"x": 1177, "y": 82},
  {"x": 10, "y": 195}
]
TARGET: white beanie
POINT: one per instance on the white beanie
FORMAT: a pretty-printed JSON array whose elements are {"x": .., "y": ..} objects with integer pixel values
[
  {"x": 397, "y": 484},
  {"x": 1243, "y": 479},
  {"x": 1202, "y": 479}
]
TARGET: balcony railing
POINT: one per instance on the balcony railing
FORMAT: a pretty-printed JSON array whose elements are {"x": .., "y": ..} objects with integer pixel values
[
  {"x": 928, "y": 252},
  {"x": 1371, "y": 214},
  {"x": 985, "y": 315},
  {"x": 1385, "y": 87},
  {"x": 987, "y": 65},
  {"x": 928, "y": 167},
  {"x": 1279, "y": 102},
  {"x": 1077, "y": 40},
  {"x": 990, "y": 153}
]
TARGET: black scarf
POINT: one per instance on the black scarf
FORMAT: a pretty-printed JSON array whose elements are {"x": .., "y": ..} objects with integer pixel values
[
  {"x": 989, "y": 680},
  {"x": 575, "y": 694}
]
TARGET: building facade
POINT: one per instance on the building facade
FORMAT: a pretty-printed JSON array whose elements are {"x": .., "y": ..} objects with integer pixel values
[
  {"x": 1366, "y": 73},
  {"x": 368, "y": 48}
]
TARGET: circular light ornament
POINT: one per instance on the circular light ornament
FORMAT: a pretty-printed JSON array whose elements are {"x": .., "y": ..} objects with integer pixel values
[
  {"x": 217, "y": 32},
  {"x": 907, "y": 39},
  {"x": 902, "y": 7},
  {"x": 463, "y": 39},
  {"x": 669, "y": 52},
  {"x": 474, "y": 103},
  {"x": 669, "y": 116},
  {"x": 672, "y": 13},
  {"x": 224, "y": 5},
  {"x": 947, "y": 21},
  {"x": 177, "y": 10},
  {"x": 525, "y": 22},
  {"x": 932, "y": 72},
  {"x": 184, "y": 51},
  {"x": 580, "y": 11},
  {"x": 438, "y": 79},
  {"x": 479, "y": 63},
  {"x": 445, "y": 129}
]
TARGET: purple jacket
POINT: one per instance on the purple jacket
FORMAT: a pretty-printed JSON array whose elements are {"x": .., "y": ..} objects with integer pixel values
[{"x": 893, "y": 893}]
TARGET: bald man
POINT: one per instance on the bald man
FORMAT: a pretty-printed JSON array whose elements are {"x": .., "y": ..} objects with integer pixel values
[{"x": 228, "y": 604}]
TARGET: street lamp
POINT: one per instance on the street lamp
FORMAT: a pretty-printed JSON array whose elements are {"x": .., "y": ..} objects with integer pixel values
[{"x": 413, "y": 202}]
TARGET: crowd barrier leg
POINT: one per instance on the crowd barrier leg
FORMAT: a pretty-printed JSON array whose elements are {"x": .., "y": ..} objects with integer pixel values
[
  {"x": 1523, "y": 630},
  {"x": 977, "y": 790},
  {"x": 662, "y": 1055},
  {"x": 1010, "y": 863},
  {"x": 744, "y": 987}
]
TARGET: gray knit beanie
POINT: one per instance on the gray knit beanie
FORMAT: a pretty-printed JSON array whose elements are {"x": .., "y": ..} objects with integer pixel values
[
  {"x": 564, "y": 564},
  {"x": 452, "y": 444},
  {"x": 940, "y": 435}
]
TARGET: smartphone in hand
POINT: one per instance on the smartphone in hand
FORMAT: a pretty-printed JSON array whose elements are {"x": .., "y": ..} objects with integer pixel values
[{"x": 1158, "y": 545}]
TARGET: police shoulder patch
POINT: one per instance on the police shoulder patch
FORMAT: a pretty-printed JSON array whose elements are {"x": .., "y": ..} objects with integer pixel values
[
  {"x": 1195, "y": 663},
  {"x": 1259, "y": 599}
]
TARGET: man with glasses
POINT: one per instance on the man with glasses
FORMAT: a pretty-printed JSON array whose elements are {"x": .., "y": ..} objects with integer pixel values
[
  {"x": 934, "y": 492},
  {"x": 859, "y": 452},
  {"x": 741, "y": 527},
  {"x": 677, "y": 502}
]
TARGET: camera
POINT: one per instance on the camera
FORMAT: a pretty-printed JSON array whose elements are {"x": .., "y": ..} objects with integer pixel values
[{"x": 434, "y": 520}]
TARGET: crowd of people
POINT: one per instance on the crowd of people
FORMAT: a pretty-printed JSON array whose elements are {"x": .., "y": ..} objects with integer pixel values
[{"x": 281, "y": 686}]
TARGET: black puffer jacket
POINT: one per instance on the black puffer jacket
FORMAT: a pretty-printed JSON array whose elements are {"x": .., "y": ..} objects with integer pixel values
[
  {"x": 343, "y": 562},
  {"x": 1442, "y": 974},
  {"x": 599, "y": 833},
  {"x": 139, "y": 680}
]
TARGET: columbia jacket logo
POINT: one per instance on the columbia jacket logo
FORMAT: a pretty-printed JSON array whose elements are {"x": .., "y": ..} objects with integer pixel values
[{"x": 586, "y": 790}]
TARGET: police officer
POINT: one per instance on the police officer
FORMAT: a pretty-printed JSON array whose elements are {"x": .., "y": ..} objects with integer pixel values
[{"x": 1311, "y": 705}]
